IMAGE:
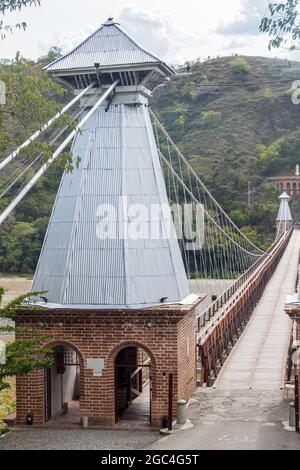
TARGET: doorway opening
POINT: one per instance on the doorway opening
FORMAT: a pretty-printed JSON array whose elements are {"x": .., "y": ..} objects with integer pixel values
[
  {"x": 133, "y": 385},
  {"x": 62, "y": 387}
]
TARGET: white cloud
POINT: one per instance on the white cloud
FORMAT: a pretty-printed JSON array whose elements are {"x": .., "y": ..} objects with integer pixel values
[
  {"x": 247, "y": 20},
  {"x": 176, "y": 31},
  {"x": 66, "y": 40}
]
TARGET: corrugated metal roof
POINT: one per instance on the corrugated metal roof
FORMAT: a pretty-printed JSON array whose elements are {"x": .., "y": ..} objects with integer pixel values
[
  {"x": 108, "y": 46},
  {"x": 80, "y": 270}
]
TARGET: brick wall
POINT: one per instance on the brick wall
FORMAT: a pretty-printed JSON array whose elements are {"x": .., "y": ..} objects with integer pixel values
[{"x": 166, "y": 334}]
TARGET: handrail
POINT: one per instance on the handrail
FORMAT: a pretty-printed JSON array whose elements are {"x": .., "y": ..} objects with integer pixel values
[{"x": 248, "y": 276}]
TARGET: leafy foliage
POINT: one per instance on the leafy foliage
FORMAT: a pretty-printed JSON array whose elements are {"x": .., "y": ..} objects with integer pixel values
[
  {"x": 26, "y": 355},
  {"x": 14, "y": 5},
  {"x": 211, "y": 119},
  {"x": 240, "y": 67},
  {"x": 282, "y": 24},
  {"x": 256, "y": 113},
  {"x": 32, "y": 98},
  {"x": 53, "y": 54},
  {"x": 259, "y": 136}
]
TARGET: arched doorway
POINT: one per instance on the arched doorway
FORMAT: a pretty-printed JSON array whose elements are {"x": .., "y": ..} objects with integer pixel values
[
  {"x": 133, "y": 385},
  {"x": 62, "y": 386}
]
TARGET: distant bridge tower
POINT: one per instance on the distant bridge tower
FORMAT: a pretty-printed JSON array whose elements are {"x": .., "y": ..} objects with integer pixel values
[
  {"x": 117, "y": 303},
  {"x": 284, "y": 219}
]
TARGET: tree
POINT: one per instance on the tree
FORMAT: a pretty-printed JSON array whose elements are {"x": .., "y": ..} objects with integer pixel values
[
  {"x": 53, "y": 54},
  {"x": 29, "y": 100},
  {"x": 22, "y": 356},
  {"x": 10, "y": 6},
  {"x": 282, "y": 24}
]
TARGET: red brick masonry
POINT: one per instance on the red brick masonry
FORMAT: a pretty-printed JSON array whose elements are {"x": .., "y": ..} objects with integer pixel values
[{"x": 167, "y": 334}]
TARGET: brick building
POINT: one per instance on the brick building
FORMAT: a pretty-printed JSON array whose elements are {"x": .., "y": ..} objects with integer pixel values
[
  {"x": 288, "y": 184},
  {"x": 165, "y": 334},
  {"x": 118, "y": 310}
]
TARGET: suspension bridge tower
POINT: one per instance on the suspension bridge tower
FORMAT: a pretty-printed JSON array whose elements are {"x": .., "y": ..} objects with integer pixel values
[
  {"x": 284, "y": 220},
  {"x": 117, "y": 306}
]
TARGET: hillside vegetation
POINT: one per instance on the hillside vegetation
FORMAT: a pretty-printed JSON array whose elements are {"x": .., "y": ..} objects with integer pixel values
[{"x": 234, "y": 120}]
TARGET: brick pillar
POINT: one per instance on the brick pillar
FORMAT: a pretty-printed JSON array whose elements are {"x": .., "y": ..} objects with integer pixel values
[
  {"x": 187, "y": 329},
  {"x": 31, "y": 397}
]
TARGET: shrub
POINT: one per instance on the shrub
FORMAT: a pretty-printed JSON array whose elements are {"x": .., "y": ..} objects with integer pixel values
[
  {"x": 240, "y": 67},
  {"x": 3, "y": 428},
  {"x": 269, "y": 95},
  {"x": 210, "y": 119}
]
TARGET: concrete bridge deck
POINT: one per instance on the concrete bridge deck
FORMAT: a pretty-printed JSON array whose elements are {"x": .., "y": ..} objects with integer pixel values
[{"x": 258, "y": 359}]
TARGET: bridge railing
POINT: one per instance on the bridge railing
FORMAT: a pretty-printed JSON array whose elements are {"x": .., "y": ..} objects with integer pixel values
[
  {"x": 216, "y": 339},
  {"x": 218, "y": 304}
]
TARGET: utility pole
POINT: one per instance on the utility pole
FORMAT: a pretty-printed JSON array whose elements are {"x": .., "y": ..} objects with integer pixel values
[
  {"x": 249, "y": 201},
  {"x": 249, "y": 195}
]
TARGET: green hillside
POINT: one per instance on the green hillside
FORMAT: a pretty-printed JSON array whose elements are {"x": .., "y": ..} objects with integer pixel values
[
  {"x": 224, "y": 116},
  {"x": 232, "y": 117}
]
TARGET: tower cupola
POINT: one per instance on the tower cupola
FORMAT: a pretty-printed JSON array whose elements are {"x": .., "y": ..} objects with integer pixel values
[{"x": 107, "y": 55}]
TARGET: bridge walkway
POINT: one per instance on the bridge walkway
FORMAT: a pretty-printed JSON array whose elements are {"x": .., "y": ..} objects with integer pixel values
[{"x": 259, "y": 357}]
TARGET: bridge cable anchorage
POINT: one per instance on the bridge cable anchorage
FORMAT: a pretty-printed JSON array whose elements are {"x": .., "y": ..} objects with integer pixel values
[
  {"x": 59, "y": 150},
  {"x": 13, "y": 155},
  {"x": 186, "y": 163}
]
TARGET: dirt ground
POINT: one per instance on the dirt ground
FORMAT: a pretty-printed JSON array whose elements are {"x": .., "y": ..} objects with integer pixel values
[{"x": 14, "y": 287}]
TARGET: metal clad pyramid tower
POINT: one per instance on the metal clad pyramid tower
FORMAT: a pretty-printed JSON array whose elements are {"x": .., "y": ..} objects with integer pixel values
[
  {"x": 88, "y": 260},
  {"x": 284, "y": 219}
]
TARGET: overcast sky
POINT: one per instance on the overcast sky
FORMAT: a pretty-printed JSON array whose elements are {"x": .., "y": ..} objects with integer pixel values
[{"x": 175, "y": 30}]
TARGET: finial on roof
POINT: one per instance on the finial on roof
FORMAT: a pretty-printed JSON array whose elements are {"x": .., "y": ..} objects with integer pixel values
[
  {"x": 284, "y": 195},
  {"x": 110, "y": 21}
]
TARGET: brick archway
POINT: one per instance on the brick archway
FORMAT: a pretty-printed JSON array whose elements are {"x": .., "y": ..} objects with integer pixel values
[
  {"x": 111, "y": 364},
  {"x": 127, "y": 344},
  {"x": 70, "y": 362},
  {"x": 68, "y": 344}
]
